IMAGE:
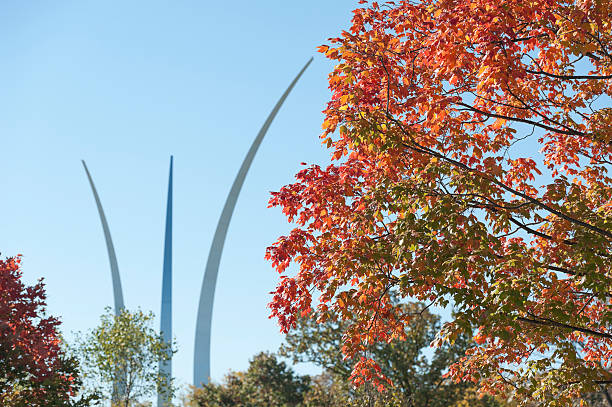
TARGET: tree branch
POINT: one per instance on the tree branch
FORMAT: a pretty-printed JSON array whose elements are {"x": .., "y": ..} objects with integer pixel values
[
  {"x": 570, "y": 77},
  {"x": 424, "y": 150},
  {"x": 548, "y": 322}
]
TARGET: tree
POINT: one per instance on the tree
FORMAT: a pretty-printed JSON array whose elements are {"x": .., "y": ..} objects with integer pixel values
[
  {"x": 331, "y": 390},
  {"x": 327, "y": 390},
  {"x": 266, "y": 383},
  {"x": 122, "y": 354},
  {"x": 418, "y": 380},
  {"x": 438, "y": 110},
  {"x": 34, "y": 371}
]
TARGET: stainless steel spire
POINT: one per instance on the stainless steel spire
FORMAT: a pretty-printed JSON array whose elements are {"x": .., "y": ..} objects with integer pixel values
[
  {"x": 118, "y": 385},
  {"x": 165, "y": 367},
  {"x": 112, "y": 258},
  {"x": 201, "y": 359}
]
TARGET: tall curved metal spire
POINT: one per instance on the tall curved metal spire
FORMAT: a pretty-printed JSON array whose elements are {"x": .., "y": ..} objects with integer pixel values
[
  {"x": 112, "y": 258},
  {"x": 165, "y": 367},
  {"x": 201, "y": 358}
]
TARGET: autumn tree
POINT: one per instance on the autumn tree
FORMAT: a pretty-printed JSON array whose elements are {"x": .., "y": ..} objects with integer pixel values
[
  {"x": 34, "y": 369},
  {"x": 472, "y": 143},
  {"x": 418, "y": 376},
  {"x": 120, "y": 358}
]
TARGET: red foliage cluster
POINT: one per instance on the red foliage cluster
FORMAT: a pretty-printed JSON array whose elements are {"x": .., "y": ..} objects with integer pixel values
[
  {"x": 438, "y": 191},
  {"x": 33, "y": 365}
]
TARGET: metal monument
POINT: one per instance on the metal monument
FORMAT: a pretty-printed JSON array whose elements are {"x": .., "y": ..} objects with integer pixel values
[
  {"x": 204, "y": 316},
  {"x": 201, "y": 358},
  {"x": 165, "y": 367},
  {"x": 118, "y": 386},
  {"x": 112, "y": 258}
]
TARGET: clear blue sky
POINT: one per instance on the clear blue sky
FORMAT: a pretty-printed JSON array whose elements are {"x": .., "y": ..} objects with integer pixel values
[{"x": 123, "y": 85}]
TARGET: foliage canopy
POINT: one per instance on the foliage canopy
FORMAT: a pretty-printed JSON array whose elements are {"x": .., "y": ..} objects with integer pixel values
[
  {"x": 34, "y": 370},
  {"x": 266, "y": 383},
  {"x": 438, "y": 110},
  {"x": 120, "y": 357}
]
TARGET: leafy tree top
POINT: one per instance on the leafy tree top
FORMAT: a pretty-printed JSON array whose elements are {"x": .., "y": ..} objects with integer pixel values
[
  {"x": 437, "y": 191},
  {"x": 34, "y": 370},
  {"x": 266, "y": 383},
  {"x": 121, "y": 356}
]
